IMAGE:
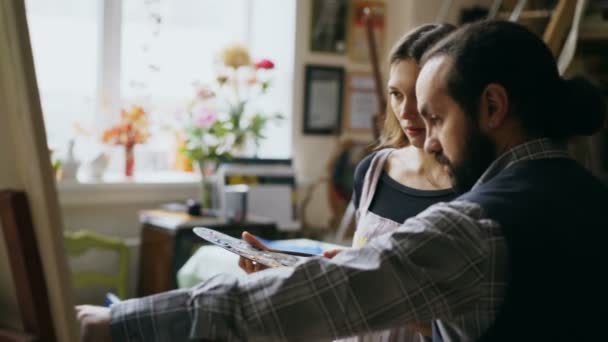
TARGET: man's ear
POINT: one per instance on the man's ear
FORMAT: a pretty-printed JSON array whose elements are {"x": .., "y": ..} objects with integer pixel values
[{"x": 494, "y": 106}]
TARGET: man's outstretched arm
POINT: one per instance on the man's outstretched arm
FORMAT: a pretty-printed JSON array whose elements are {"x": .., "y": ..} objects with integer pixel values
[{"x": 432, "y": 266}]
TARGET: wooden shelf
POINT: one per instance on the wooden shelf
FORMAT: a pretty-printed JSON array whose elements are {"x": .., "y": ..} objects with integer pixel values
[
  {"x": 593, "y": 35},
  {"x": 593, "y": 40}
]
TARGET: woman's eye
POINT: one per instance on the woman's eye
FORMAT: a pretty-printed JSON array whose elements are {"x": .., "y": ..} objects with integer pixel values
[{"x": 394, "y": 94}]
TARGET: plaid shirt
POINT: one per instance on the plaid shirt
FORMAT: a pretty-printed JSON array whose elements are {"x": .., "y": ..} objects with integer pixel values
[{"x": 448, "y": 262}]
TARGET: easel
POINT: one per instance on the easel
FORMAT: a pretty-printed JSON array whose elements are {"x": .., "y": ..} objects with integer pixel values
[
  {"x": 24, "y": 258},
  {"x": 378, "y": 117}
]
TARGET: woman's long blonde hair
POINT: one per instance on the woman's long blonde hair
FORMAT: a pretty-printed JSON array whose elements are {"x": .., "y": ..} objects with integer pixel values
[{"x": 411, "y": 45}]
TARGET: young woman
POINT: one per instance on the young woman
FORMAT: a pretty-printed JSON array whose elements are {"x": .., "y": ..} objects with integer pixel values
[{"x": 399, "y": 179}]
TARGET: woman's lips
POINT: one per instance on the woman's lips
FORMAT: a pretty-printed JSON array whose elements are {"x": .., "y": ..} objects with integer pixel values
[{"x": 414, "y": 131}]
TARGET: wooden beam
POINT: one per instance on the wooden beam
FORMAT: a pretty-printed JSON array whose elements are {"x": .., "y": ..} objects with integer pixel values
[{"x": 559, "y": 24}]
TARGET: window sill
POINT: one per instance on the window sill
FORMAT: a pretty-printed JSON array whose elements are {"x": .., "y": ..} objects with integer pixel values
[{"x": 142, "y": 188}]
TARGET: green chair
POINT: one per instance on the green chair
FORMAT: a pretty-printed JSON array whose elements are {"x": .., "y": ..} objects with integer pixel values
[{"x": 80, "y": 242}]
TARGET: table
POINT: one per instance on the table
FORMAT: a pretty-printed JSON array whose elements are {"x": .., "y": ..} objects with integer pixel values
[{"x": 167, "y": 241}]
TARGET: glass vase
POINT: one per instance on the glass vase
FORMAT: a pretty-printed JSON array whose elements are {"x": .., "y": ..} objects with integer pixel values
[
  {"x": 129, "y": 160},
  {"x": 206, "y": 187}
]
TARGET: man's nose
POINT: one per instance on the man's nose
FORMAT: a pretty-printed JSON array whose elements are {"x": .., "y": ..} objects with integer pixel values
[{"x": 431, "y": 145}]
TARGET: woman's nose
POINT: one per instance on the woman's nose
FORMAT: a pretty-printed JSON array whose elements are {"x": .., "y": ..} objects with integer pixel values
[{"x": 408, "y": 111}]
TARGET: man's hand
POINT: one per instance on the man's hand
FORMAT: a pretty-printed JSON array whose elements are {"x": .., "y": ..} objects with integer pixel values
[
  {"x": 247, "y": 265},
  {"x": 94, "y": 323}
]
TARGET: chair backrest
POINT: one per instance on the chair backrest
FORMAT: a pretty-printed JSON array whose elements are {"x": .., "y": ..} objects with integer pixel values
[
  {"x": 345, "y": 223},
  {"x": 341, "y": 168},
  {"x": 80, "y": 242}
]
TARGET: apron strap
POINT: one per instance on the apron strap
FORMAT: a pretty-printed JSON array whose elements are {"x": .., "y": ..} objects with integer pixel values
[{"x": 372, "y": 176}]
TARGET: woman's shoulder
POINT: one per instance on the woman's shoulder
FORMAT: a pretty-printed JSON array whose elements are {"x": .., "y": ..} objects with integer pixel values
[{"x": 365, "y": 163}]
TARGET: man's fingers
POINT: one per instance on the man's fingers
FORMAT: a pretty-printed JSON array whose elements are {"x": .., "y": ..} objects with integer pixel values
[
  {"x": 250, "y": 266},
  {"x": 78, "y": 312},
  {"x": 252, "y": 240},
  {"x": 94, "y": 323},
  {"x": 242, "y": 264},
  {"x": 246, "y": 265},
  {"x": 81, "y": 312}
]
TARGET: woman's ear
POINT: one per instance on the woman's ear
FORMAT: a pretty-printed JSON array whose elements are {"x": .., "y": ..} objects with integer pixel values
[{"x": 494, "y": 106}]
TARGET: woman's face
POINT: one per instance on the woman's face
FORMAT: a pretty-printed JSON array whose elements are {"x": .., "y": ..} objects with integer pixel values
[{"x": 402, "y": 99}]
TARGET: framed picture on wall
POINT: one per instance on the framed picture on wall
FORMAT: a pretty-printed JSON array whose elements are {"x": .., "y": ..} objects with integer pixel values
[
  {"x": 361, "y": 102},
  {"x": 328, "y": 27},
  {"x": 323, "y": 91},
  {"x": 358, "y": 49}
]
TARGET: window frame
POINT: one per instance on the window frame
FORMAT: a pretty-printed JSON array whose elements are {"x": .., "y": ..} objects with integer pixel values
[{"x": 108, "y": 94}]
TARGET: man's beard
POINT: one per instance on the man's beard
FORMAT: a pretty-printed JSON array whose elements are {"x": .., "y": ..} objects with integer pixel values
[{"x": 477, "y": 154}]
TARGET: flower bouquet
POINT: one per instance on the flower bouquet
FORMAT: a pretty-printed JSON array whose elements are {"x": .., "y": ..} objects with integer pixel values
[
  {"x": 131, "y": 130},
  {"x": 223, "y": 116}
]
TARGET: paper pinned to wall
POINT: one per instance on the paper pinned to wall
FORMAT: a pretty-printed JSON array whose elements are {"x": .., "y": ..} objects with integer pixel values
[{"x": 363, "y": 104}]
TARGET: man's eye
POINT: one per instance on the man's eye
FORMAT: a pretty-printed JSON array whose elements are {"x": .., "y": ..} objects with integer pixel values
[{"x": 394, "y": 94}]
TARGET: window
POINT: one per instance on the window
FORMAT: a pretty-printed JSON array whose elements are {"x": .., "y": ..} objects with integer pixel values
[
  {"x": 95, "y": 57},
  {"x": 62, "y": 35}
]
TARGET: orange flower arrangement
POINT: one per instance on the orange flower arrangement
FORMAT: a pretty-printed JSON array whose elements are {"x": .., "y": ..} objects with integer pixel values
[{"x": 132, "y": 129}]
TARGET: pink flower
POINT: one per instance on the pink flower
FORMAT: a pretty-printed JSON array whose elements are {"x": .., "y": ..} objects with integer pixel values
[
  {"x": 205, "y": 93},
  {"x": 204, "y": 118},
  {"x": 252, "y": 80},
  {"x": 264, "y": 64}
]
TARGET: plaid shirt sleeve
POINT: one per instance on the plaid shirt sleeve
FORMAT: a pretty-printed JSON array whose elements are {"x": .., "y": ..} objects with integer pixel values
[{"x": 437, "y": 264}]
